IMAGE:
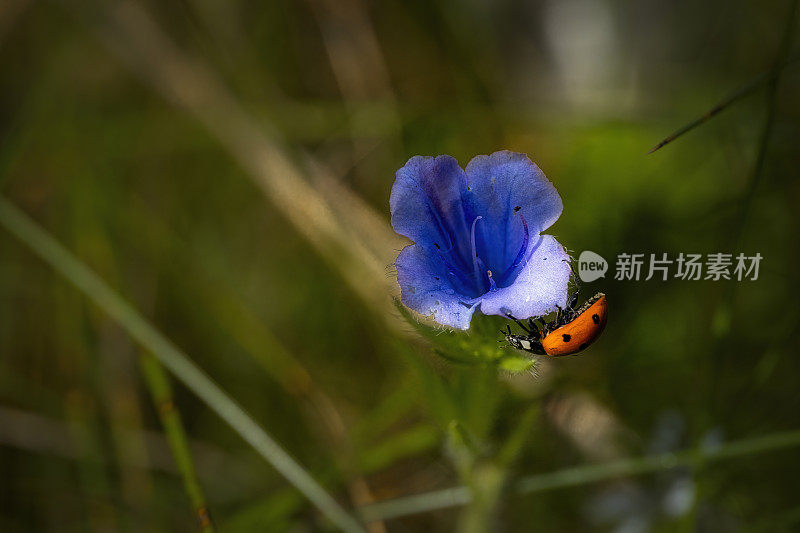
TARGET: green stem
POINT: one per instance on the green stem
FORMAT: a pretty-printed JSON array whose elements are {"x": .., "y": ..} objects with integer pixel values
[
  {"x": 486, "y": 478},
  {"x": 482, "y": 476},
  {"x": 176, "y": 361},
  {"x": 161, "y": 391},
  {"x": 486, "y": 483}
]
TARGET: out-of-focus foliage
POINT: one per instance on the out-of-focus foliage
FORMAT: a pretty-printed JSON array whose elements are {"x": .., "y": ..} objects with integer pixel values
[{"x": 150, "y": 199}]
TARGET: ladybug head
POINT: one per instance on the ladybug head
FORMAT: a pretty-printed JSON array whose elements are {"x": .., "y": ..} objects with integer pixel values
[
  {"x": 524, "y": 343},
  {"x": 513, "y": 340}
]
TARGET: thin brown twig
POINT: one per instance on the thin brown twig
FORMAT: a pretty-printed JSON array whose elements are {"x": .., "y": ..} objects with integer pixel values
[{"x": 738, "y": 94}]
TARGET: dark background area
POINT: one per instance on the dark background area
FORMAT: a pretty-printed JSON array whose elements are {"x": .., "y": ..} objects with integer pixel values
[{"x": 137, "y": 134}]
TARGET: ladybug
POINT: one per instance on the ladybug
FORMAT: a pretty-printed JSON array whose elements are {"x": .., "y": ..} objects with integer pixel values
[{"x": 571, "y": 331}]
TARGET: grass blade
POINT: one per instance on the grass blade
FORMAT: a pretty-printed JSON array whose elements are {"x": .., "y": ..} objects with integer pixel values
[
  {"x": 161, "y": 392},
  {"x": 177, "y": 362},
  {"x": 582, "y": 475}
]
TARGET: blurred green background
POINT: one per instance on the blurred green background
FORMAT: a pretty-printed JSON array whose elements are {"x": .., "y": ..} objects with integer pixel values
[{"x": 226, "y": 167}]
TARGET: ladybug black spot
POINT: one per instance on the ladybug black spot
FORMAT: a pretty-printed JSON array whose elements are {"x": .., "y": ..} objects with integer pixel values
[
  {"x": 583, "y": 346},
  {"x": 596, "y": 318},
  {"x": 566, "y": 337}
]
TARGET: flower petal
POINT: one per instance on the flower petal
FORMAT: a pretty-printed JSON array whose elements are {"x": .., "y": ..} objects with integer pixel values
[
  {"x": 427, "y": 204},
  {"x": 540, "y": 286},
  {"x": 504, "y": 185},
  {"x": 425, "y": 287}
]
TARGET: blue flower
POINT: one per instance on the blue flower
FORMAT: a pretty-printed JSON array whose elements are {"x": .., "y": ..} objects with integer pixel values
[{"x": 477, "y": 238}]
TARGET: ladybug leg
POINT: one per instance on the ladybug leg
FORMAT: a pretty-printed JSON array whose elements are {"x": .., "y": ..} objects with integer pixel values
[
  {"x": 560, "y": 316},
  {"x": 520, "y": 324},
  {"x": 573, "y": 299},
  {"x": 569, "y": 313},
  {"x": 574, "y": 275},
  {"x": 535, "y": 334}
]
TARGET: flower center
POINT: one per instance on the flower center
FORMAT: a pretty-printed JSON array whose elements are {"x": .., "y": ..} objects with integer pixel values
[{"x": 479, "y": 274}]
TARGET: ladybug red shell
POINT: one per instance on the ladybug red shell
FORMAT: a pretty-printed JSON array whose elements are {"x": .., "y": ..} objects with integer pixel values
[
  {"x": 577, "y": 335},
  {"x": 571, "y": 332}
]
